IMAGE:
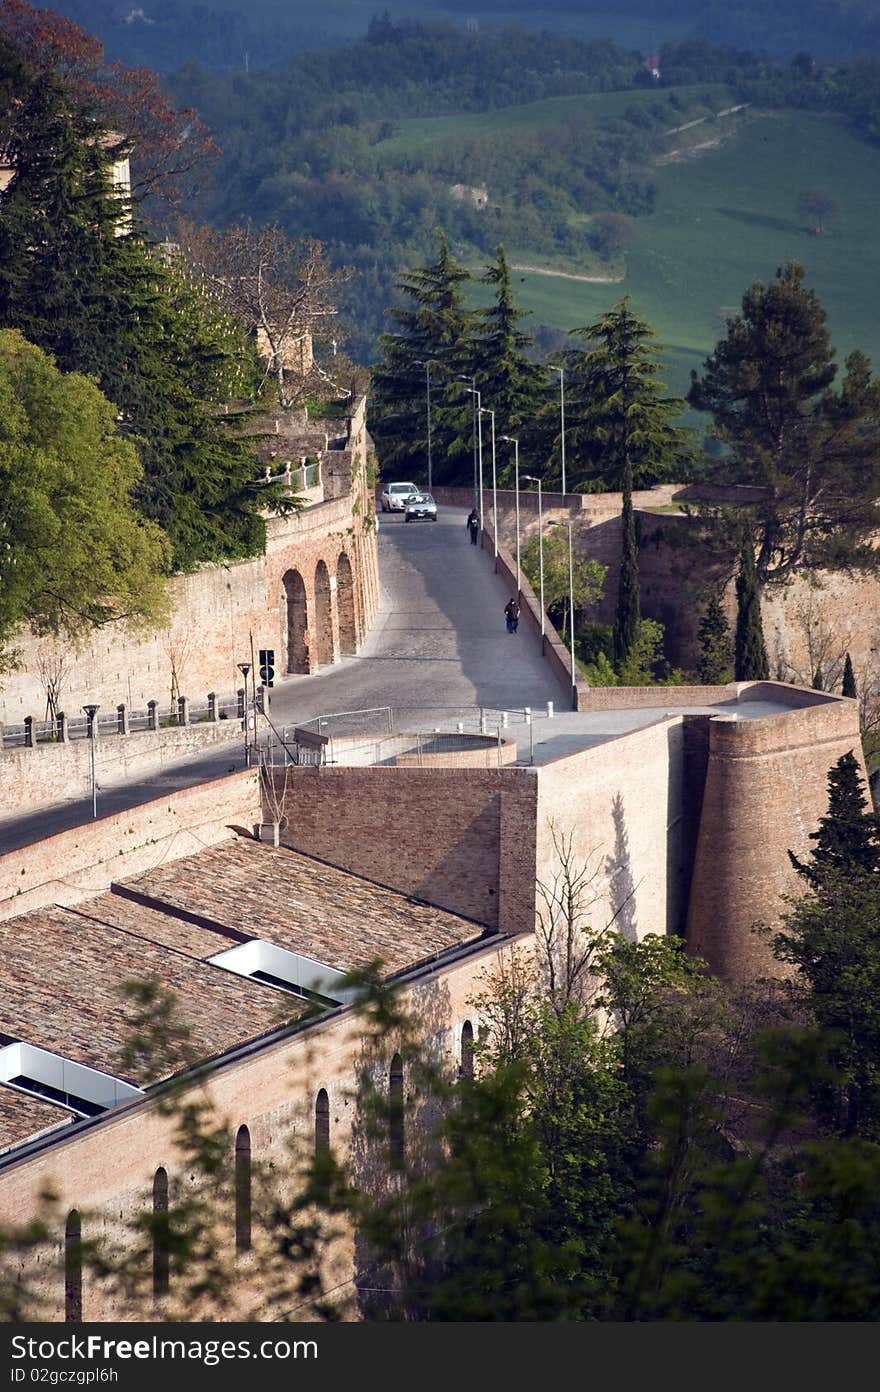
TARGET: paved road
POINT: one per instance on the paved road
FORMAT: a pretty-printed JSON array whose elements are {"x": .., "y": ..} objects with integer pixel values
[
  {"x": 440, "y": 642},
  {"x": 439, "y": 650}
]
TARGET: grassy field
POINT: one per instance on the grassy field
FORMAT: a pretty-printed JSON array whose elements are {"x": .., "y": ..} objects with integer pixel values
[
  {"x": 429, "y": 132},
  {"x": 726, "y": 218}
]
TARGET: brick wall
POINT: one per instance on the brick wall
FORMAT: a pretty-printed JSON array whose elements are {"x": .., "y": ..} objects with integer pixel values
[
  {"x": 442, "y": 835},
  {"x": 51, "y": 772},
  {"x": 77, "y": 864}
]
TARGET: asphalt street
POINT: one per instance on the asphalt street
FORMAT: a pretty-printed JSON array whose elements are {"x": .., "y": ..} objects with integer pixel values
[{"x": 438, "y": 651}]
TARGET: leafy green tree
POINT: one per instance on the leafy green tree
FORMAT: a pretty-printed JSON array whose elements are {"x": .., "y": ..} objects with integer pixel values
[
  {"x": 750, "y": 654},
  {"x": 814, "y": 451},
  {"x": 74, "y": 554},
  {"x": 618, "y": 422},
  {"x": 585, "y": 582},
  {"x": 849, "y": 678},
  {"x": 430, "y": 347},
  {"x": 716, "y": 647}
]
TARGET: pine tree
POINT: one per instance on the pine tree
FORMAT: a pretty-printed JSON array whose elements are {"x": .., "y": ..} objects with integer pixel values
[
  {"x": 716, "y": 649},
  {"x": 431, "y": 346},
  {"x": 617, "y": 418},
  {"x": 750, "y": 653},
  {"x": 628, "y": 614},
  {"x": 849, "y": 678},
  {"x": 813, "y": 450}
]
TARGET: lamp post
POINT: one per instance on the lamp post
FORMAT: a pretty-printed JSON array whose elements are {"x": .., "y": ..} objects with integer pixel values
[
  {"x": 426, "y": 364},
  {"x": 570, "y": 611},
  {"x": 91, "y": 711},
  {"x": 511, "y": 441},
  {"x": 561, "y": 372},
  {"x": 472, "y": 390},
  {"x": 478, "y": 400},
  {"x": 244, "y": 668},
  {"x": 529, "y": 478},
  {"x": 486, "y": 411}
]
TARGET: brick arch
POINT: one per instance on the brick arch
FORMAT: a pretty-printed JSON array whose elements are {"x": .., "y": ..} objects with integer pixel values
[
  {"x": 345, "y": 603},
  {"x": 294, "y": 628},
  {"x": 324, "y": 650}
]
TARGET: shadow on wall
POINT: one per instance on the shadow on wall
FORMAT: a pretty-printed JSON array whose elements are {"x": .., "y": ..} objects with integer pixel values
[{"x": 621, "y": 886}]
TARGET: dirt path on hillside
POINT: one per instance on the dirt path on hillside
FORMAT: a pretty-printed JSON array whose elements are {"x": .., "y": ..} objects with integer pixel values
[{"x": 569, "y": 275}]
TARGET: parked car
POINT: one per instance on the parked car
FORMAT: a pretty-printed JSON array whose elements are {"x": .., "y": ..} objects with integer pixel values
[
  {"x": 394, "y": 496},
  {"x": 420, "y": 505}
]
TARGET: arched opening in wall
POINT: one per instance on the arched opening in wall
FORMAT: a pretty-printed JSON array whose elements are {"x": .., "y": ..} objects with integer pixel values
[
  {"x": 323, "y": 616},
  {"x": 322, "y": 1123},
  {"x": 395, "y": 1114},
  {"x": 160, "y": 1233},
  {"x": 243, "y": 1190},
  {"x": 345, "y": 606},
  {"x": 73, "y": 1274},
  {"x": 466, "y": 1062},
  {"x": 296, "y": 622}
]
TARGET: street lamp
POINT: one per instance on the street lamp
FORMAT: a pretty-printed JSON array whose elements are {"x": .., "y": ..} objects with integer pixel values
[
  {"x": 426, "y": 364},
  {"x": 244, "y": 668},
  {"x": 486, "y": 411},
  {"x": 561, "y": 372},
  {"x": 478, "y": 418},
  {"x": 91, "y": 711},
  {"x": 511, "y": 441},
  {"x": 570, "y": 611},
  {"x": 529, "y": 478},
  {"x": 472, "y": 390}
]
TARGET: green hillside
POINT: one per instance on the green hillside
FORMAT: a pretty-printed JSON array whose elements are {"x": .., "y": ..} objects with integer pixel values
[{"x": 728, "y": 217}]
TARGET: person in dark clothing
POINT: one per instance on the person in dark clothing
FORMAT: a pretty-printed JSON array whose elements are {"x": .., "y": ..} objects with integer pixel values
[
  {"x": 473, "y": 525},
  {"x": 511, "y": 613}
]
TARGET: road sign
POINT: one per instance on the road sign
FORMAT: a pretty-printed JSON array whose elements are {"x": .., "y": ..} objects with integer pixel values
[{"x": 267, "y": 666}]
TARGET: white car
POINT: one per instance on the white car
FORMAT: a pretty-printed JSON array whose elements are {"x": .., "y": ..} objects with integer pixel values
[
  {"x": 420, "y": 505},
  {"x": 394, "y": 496}
]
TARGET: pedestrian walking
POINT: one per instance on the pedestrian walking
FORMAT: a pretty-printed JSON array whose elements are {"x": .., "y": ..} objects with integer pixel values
[
  {"x": 473, "y": 525},
  {"x": 511, "y": 613}
]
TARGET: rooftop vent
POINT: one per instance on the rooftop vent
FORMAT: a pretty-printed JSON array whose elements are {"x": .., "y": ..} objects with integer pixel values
[
  {"x": 44, "y": 1074},
  {"x": 286, "y": 971}
]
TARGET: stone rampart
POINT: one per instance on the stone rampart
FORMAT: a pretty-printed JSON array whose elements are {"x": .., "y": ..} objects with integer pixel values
[{"x": 766, "y": 788}]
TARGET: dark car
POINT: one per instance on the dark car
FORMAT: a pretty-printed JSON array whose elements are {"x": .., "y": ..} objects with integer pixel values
[{"x": 420, "y": 505}]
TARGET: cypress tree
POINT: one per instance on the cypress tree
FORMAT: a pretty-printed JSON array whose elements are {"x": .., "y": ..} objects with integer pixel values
[
  {"x": 750, "y": 653},
  {"x": 849, "y": 678},
  {"x": 716, "y": 660},
  {"x": 628, "y": 615}
]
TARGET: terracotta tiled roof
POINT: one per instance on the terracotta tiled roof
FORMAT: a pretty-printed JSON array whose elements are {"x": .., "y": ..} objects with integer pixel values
[
  {"x": 22, "y": 1117},
  {"x": 308, "y": 907}
]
